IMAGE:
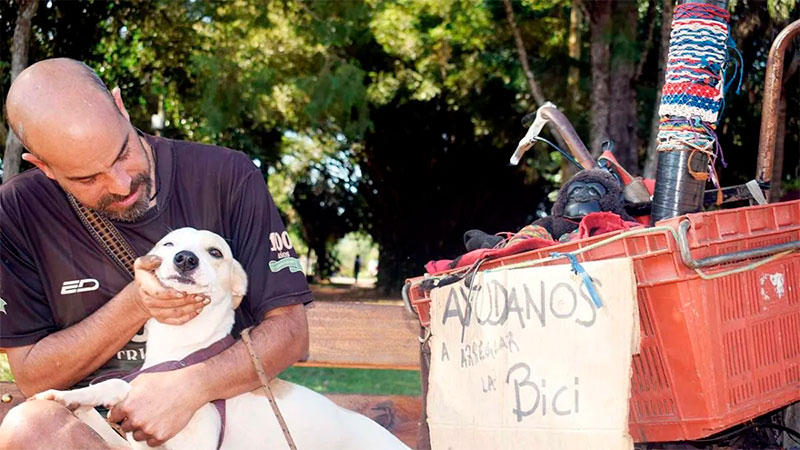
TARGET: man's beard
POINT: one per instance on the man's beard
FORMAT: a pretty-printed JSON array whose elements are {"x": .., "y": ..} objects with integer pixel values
[{"x": 135, "y": 211}]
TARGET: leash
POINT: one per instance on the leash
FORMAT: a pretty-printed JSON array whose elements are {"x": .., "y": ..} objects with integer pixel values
[
  {"x": 167, "y": 366},
  {"x": 265, "y": 384}
]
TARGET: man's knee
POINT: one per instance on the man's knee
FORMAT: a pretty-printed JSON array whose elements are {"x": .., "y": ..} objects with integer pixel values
[
  {"x": 28, "y": 424},
  {"x": 28, "y": 420}
]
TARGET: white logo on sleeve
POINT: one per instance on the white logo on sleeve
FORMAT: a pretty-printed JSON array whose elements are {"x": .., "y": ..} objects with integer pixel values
[
  {"x": 280, "y": 243},
  {"x": 78, "y": 286}
]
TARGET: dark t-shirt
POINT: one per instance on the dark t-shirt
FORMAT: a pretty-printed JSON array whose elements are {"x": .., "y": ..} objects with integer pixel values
[{"x": 53, "y": 274}]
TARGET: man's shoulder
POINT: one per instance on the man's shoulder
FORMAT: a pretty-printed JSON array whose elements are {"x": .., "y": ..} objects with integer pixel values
[
  {"x": 195, "y": 153},
  {"x": 31, "y": 177},
  {"x": 29, "y": 188},
  {"x": 28, "y": 198}
]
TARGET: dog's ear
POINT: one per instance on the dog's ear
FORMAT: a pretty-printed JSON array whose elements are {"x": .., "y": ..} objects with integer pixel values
[{"x": 238, "y": 283}]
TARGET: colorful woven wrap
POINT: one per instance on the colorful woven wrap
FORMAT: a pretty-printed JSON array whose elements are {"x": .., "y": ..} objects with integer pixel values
[
  {"x": 675, "y": 133},
  {"x": 694, "y": 78},
  {"x": 694, "y": 84}
]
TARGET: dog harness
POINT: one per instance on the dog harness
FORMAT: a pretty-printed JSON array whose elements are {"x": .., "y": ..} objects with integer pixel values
[{"x": 166, "y": 366}]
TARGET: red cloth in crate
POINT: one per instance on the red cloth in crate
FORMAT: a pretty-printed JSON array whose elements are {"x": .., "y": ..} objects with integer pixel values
[
  {"x": 491, "y": 253},
  {"x": 591, "y": 225},
  {"x": 601, "y": 223}
]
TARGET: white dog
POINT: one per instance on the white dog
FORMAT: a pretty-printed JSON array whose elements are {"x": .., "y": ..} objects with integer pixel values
[{"x": 201, "y": 262}]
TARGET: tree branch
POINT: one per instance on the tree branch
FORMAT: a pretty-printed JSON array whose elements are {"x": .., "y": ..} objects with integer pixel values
[
  {"x": 538, "y": 97},
  {"x": 650, "y": 20},
  {"x": 523, "y": 55}
]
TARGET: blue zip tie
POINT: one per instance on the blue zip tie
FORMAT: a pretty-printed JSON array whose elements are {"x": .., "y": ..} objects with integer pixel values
[{"x": 578, "y": 269}]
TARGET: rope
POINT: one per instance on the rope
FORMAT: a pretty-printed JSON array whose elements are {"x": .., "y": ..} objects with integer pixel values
[
  {"x": 750, "y": 266},
  {"x": 267, "y": 391},
  {"x": 639, "y": 232},
  {"x": 623, "y": 235},
  {"x": 475, "y": 268}
]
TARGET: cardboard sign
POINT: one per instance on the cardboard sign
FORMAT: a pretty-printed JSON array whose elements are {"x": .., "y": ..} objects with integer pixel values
[{"x": 525, "y": 359}]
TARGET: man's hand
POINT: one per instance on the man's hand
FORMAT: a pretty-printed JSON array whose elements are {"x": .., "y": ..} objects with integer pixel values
[
  {"x": 164, "y": 304},
  {"x": 158, "y": 406}
]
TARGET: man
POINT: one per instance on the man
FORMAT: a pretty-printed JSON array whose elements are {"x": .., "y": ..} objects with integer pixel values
[
  {"x": 356, "y": 268},
  {"x": 71, "y": 314}
]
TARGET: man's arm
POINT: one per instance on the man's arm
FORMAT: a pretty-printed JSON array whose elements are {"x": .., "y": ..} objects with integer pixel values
[
  {"x": 280, "y": 340},
  {"x": 63, "y": 358}
]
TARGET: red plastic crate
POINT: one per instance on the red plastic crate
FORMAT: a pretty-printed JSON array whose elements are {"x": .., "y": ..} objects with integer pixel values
[{"x": 714, "y": 353}]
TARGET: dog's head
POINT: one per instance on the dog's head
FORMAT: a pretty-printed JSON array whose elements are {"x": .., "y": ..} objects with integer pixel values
[{"x": 199, "y": 261}]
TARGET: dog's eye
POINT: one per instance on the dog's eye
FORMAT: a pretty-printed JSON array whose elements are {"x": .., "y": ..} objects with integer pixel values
[
  {"x": 215, "y": 252},
  {"x": 167, "y": 244}
]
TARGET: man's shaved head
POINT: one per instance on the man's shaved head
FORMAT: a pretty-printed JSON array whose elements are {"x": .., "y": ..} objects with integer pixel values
[
  {"x": 79, "y": 135},
  {"x": 44, "y": 95}
]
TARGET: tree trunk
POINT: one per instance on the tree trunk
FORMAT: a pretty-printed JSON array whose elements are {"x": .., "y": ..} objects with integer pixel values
[
  {"x": 652, "y": 144},
  {"x": 573, "y": 78},
  {"x": 574, "y": 43},
  {"x": 12, "y": 156},
  {"x": 622, "y": 117},
  {"x": 599, "y": 25}
]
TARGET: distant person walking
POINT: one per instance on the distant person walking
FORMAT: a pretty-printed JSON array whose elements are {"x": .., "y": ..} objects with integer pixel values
[{"x": 356, "y": 268}]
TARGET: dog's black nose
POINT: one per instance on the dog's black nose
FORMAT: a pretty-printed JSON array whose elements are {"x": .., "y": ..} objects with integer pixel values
[{"x": 186, "y": 261}]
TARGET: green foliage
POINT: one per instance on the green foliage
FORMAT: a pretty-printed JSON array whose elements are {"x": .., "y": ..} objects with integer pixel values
[
  {"x": 338, "y": 96},
  {"x": 394, "y": 118},
  {"x": 779, "y": 10}
]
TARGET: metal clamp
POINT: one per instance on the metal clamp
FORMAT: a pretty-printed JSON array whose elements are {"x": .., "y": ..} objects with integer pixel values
[{"x": 406, "y": 300}]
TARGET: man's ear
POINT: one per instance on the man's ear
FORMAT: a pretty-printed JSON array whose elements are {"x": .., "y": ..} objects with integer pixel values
[
  {"x": 238, "y": 283},
  {"x": 118, "y": 101},
  {"x": 31, "y": 158}
]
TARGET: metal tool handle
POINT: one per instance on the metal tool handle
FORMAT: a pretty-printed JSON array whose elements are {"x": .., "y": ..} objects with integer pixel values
[
  {"x": 689, "y": 261},
  {"x": 533, "y": 131}
]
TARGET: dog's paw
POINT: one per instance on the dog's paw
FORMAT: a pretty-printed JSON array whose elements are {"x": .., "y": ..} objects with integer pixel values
[{"x": 63, "y": 397}]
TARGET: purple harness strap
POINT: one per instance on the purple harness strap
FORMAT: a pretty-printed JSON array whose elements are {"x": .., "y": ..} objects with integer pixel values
[{"x": 166, "y": 366}]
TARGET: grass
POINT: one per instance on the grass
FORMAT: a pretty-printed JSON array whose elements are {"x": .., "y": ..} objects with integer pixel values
[
  {"x": 328, "y": 380},
  {"x": 355, "y": 381},
  {"x": 5, "y": 372}
]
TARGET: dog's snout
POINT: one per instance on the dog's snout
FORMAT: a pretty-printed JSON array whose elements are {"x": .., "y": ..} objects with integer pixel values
[{"x": 186, "y": 261}]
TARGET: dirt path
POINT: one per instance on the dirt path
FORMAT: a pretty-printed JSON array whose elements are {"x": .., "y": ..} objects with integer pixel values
[{"x": 344, "y": 290}]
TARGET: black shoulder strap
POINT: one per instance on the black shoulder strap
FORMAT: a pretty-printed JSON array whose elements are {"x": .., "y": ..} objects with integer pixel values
[{"x": 106, "y": 235}]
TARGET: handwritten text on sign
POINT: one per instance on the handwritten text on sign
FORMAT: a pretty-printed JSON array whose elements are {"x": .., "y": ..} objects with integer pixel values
[{"x": 525, "y": 360}]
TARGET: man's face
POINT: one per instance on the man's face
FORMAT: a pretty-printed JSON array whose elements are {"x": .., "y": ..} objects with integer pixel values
[{"x": 116, "y": 179}]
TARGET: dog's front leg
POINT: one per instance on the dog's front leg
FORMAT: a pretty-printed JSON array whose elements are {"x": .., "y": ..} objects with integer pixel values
[{"x": 107, "y": 393}]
